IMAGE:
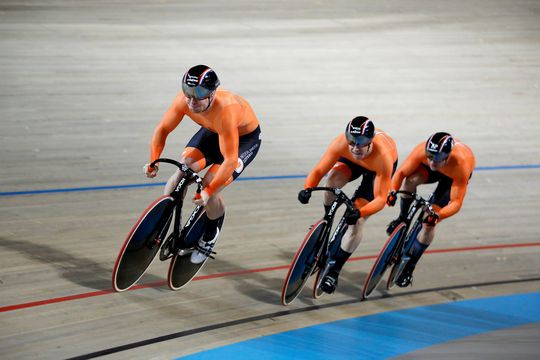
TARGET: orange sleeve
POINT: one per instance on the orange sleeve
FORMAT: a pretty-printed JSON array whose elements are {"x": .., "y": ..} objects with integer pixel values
[
  {"x": 457, "y": 194},
  {"x": 410, "y": 164},
  {"x": 460, "y": 175},
  {"x": 328, "y": 160},
  {"x": 228, "y": 145},
  {"x": 168, "y": 123}
]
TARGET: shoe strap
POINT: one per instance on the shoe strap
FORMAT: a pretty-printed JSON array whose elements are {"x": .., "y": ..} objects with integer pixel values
[{"x": 205, "y": 251}]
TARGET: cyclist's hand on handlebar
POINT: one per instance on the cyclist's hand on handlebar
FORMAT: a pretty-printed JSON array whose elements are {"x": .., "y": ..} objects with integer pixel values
[
  {"x": 351, "y": 217},
  {"x": 303, "y": 196},
  {"x": 150, "y": 172},
  {"x": 391, "y": 198},
  {"x": 431, "y": 219}
]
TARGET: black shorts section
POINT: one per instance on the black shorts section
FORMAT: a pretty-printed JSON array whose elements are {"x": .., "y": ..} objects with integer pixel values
[
  {"x": 365, "y": 189},
  {"x": 208, "y": 143},
  {"x": 441, "y": 195}
]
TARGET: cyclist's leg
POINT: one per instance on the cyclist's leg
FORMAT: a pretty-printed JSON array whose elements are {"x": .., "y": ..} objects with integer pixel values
[
  {"x": 353, "y": 235},
  {"x": 193, "y": 158},
  {"x": 441, "y": 197},
  {"x": 343, "y": 172},
  {"x": 215, "y": 208},
  {"x": 422, "y": 175},
  {"x": 248, "y": 147},
  {"x": 338, "y": 177},
  {"x": 197, "y": 155},
  {"x": 420, "y": 244}
]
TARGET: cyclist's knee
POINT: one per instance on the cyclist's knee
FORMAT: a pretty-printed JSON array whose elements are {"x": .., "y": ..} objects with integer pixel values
[
  {"x": 172, "y": 182},
  {"x": 411, "y": 182},
  {"x": 336, "y": 179}
]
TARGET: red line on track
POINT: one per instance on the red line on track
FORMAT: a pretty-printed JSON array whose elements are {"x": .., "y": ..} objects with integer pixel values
[{"x": 239, "y": 272}]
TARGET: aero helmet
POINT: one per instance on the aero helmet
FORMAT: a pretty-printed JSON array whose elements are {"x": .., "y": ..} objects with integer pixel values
[
  {"x": 199, "y": 82},
  {"x": 360, "y": 131},
  {"x": 439, "y": 146}
]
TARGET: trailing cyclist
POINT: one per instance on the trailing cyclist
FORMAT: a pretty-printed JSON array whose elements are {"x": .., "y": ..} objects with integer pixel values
[
  {"x": 361, "y": 151},
  {"x": 443, "y": 160},
  {"x": 228, "y": 140}
]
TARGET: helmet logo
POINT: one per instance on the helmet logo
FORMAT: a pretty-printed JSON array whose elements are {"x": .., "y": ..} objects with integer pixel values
[
  {"x": 192, "y": 80},
  {"x": 355, "y": 130},
  {"x": 433, "y": 146}
]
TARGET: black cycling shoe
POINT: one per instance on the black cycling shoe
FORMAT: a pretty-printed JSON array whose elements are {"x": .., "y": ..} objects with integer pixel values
[
  {"x": 393, "y": 225},
  {"x": 329, "y": 283},
  {"x": 406, "y": 277}
]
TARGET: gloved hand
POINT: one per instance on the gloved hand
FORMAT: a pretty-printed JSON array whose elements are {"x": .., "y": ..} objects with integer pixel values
[
  {"x": 391, "y": 198},
  {"x": 431, "y": 219},
  {"x": 303, "y": 196},
  {"x": 351, "y": 217},
  {"x": 150, "y": 172}
]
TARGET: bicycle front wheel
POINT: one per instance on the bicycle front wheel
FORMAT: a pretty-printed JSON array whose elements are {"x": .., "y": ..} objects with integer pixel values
[
  {"x": 332, "y": 249},
  {"x": 399, "y": 266},
  {"x": 384, "y": 260},
  {"x": 304, "y": 263},
  {"x": 142, "y": 243}
]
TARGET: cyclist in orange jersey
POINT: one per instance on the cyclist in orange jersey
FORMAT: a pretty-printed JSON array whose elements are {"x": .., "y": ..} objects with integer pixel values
[
  {"x": 228, "y": 140},
  {"x": 361, "y": 150},
  {"x": 440, "y": 159}
]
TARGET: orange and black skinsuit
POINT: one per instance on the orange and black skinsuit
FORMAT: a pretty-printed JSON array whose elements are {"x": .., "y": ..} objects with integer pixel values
[
  {"x": 447, "y": 199},
  {"x": 453, "y": 177},
  {"x": 377, "y": 169},
  {"x": 229, "y": 137},
  {"x": 380, "y": 164}
]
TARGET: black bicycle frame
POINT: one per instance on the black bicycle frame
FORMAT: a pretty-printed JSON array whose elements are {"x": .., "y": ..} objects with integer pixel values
[
  {"x": 189, "y": 176},
  {"x": 418, "y": 204},
  {"x": 341, "y": 198}
]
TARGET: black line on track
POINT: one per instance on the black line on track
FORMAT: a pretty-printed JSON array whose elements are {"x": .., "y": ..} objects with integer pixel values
[{"x": 279, "y": 314}]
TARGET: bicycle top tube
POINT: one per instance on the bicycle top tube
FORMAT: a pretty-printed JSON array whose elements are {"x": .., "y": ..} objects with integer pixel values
[{"x": 340, "y": 194}]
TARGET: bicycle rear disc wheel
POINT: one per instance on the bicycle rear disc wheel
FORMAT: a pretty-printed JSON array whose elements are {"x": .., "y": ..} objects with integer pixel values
[
  {"x": 142, "y": 243},
  {"x": 303, "y": 264},
  {"x": 181, "y": 269},
  {"x": 383, "y": 261}
]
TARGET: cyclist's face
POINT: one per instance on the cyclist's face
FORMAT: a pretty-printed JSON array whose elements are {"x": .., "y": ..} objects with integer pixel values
[
  {"x": 436, "y": 165},
  {"x": 198, "y": 105},
  {"x": 359, "y": 152}
]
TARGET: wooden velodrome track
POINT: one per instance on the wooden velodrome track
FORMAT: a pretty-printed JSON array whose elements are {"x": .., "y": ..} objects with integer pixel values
[{"x": 83, "y": 85}]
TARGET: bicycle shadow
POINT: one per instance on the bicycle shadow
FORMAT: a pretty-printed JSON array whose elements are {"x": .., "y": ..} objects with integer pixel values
[
  {"x": 78, "y": 270},
  {"x": 259, "y": 286},
  {"x": 351, "y": 282},
  {"x": 265, "y": 286}
]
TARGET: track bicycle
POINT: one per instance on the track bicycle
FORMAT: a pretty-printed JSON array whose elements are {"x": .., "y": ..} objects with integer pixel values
[
  {"x": 315, "y": 253},
  {"x": 149, "y": 236},
  {"x": 396, "y": 252}
]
